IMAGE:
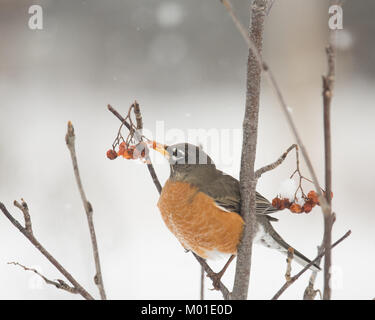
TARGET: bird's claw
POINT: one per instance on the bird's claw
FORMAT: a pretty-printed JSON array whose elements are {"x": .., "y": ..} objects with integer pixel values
[{"x": 216, "y": 278}]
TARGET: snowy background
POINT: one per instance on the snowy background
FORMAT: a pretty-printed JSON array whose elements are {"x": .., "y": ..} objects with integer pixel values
[{"x": 185, "y": 63}]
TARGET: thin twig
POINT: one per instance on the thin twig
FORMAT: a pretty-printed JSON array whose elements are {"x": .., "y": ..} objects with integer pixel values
[
  {"x": 248, "y": 179},
  {"x": 328, "y": 82},
  {"x": 59, "y": 284},
  {"x": 44, "y": 252},
  {"x": 138, "y": 116},
  {"x": 294, "y": 278},
  {"x": 270, "y": 5},
  {"x": 70, "y": 142},
  {"x": 275, "y": 164},
  {"x": 224, "y": 290}
]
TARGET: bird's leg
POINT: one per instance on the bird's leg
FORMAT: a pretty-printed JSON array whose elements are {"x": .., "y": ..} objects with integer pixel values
[{"x": 216, "y": 277}]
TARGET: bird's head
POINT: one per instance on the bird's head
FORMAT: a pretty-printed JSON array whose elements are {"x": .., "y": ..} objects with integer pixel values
[{"x": 188, "y": 162}]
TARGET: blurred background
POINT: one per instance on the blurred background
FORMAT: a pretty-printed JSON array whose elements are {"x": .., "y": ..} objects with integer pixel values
[{"x": 185, "y": 63}]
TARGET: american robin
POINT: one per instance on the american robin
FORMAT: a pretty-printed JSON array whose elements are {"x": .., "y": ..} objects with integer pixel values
[{"x": 201, "y": 206}]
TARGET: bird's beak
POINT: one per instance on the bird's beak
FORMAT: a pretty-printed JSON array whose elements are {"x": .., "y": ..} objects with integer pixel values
[{"x": 159, "y": 147}]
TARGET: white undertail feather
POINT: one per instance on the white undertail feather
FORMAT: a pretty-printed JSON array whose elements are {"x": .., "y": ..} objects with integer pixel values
[{"x": 217, "y": 255}]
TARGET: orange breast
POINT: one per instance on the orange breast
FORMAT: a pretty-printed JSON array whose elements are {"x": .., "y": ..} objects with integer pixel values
[{"x": 197, "y": 222}]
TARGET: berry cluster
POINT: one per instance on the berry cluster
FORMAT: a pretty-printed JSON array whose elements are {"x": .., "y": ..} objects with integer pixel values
[
  {"x": 311, "y": 200},
  {"x": 128, "y": 152}
]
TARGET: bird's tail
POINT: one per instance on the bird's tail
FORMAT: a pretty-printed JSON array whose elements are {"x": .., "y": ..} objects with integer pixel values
[{"x": 273, "y": 240}]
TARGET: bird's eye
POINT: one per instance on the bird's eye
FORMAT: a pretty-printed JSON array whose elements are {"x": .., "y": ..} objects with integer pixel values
[{"x": 174, "y": 152}]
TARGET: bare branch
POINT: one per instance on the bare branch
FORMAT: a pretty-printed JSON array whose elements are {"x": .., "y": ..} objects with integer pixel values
[
  {"x": 275, "y": 164},
  {"x": 328, "y": 82},
  {"x": 270, "y": 5},
  {"x": 138, "y": 116},
  {"x": 59, "y": 284},
  {"x": 248, "y": 179},
  {"x": 294, "y": 278},
  {"x": 70, "y": 142},
  {"x": 44, "y": 252}
]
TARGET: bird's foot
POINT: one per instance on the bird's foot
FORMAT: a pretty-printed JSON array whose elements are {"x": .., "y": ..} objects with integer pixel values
[{"x": 216, "y": 280}]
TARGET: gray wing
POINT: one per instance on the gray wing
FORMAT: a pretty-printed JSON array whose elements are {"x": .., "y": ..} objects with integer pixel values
[{"x": 225, "y": 190}]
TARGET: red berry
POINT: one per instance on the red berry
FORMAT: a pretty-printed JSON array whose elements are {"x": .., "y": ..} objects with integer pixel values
[
  {"x": 111, "y": 154},
  {"x": 311, "y": 203},
  {"x": 307, "y": 207},
  {"x": 295, "y": 208},
  {"x": 276, "y": 202},
  {"x": 122, "y": 148},
  {"x": 128, "y": 154},
  {"x": 313, "y": 196},
  {"x": 286, "y": 203}
]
